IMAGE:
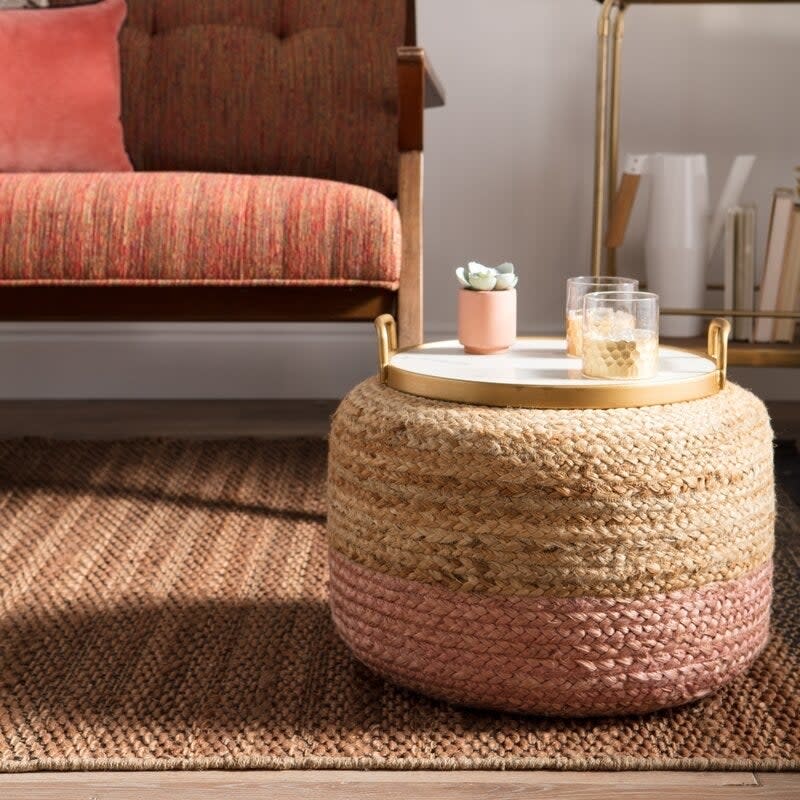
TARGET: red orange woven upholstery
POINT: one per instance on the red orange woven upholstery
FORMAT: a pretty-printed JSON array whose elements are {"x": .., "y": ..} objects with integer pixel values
[
  {"x": 291, "y": 87},
  {"x": 185, "y": 228}
]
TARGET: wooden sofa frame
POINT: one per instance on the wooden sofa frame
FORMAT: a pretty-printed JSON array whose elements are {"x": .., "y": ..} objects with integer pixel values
[{"x": 418, "y": 87}]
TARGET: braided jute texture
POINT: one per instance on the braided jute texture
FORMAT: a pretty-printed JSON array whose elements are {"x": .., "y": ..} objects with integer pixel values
[
  {"x": 619, "y": 503},
  {"x": 571, "y": 656},
  {"x": 553, "y": 562},
  {"x": 163, "y": 605}
]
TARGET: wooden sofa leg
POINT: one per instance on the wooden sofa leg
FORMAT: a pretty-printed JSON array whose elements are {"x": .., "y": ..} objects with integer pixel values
[{"x": 409, "y": 203}]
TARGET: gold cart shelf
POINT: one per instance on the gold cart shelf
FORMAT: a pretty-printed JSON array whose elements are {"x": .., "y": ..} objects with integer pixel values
[
  {"x": 610, "y": 33},
  {"x": 538, "y": 373},
  {"x": 747, "y": 354}
]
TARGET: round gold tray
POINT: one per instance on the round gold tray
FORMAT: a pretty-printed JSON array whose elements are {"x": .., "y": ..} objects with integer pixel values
[{"x": 537, "y": 373}]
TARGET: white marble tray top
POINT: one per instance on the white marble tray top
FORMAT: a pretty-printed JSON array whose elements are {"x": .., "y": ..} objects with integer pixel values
[{"x": 537, "y": 361}]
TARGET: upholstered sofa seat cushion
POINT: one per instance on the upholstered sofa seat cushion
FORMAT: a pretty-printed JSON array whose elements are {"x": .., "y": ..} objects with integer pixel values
[{"x": 195, "y": 228}]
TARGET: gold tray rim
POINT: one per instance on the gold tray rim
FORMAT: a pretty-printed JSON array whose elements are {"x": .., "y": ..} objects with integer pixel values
[{"x": 624, "y": 394}]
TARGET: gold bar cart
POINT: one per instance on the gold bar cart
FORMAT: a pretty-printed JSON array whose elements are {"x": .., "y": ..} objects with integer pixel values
[{"x": 610, "y": 33}]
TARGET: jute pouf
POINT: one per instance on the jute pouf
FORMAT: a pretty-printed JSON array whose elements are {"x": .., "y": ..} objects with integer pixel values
[{"x": 554, "y": 562}]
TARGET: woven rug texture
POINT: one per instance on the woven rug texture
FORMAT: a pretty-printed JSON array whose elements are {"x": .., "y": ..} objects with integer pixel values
[{"x": 163, "y": 606}]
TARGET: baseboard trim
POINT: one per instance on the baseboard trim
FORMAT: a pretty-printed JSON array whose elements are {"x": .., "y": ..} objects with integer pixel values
[{"x": 183, "y": 361}]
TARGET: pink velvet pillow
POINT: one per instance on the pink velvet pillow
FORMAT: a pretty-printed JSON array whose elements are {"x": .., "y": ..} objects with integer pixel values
[{"x": 60, "y": 89}]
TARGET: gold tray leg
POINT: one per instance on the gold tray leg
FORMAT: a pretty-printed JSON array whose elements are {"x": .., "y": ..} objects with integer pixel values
[
  {"x": 601, "y": 144},
  {"x": 386, "y": 328},
  {"x": 718, "y": 332},
  {"x": 617, "y": 33}
]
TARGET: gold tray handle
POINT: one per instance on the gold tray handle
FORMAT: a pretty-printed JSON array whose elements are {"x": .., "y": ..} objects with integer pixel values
[
  {"x": 386, "y": 328},
  {"x": 718, "y": 332}
]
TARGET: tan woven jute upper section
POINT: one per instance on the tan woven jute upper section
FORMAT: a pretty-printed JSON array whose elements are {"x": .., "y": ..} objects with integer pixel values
[{"x": 604, "y": 503}]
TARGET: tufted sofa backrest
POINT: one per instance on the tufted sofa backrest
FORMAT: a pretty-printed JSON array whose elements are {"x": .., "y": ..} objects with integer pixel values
[{"x": 293, "y": 87}]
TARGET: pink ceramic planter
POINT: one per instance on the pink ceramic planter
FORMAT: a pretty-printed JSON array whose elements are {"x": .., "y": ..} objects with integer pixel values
[{"x": 487, "y": 321}]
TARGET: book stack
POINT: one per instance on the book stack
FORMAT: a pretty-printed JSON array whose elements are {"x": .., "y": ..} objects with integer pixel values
[{"x": 780, "y": 279}]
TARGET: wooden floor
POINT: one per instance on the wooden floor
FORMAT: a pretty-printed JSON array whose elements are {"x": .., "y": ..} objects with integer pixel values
[
  {"x": 214, "y": 419},
  {"x": 331, "y": 785},
  {"x": 273, "y": 419}
]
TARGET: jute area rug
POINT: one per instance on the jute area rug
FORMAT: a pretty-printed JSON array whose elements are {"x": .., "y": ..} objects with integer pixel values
[{"x": 162, "y": 605}]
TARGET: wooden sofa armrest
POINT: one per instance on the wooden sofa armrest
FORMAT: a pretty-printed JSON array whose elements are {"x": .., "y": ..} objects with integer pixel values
[{"x": 419, "y": 88}]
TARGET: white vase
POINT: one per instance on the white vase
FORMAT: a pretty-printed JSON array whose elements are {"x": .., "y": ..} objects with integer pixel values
[{"x": 676, "y": 244}]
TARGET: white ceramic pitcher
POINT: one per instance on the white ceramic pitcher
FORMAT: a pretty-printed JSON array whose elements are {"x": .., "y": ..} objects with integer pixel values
[{"x": 681, "y": 232}]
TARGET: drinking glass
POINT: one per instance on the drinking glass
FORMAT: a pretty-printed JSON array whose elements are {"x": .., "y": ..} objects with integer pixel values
[
  {"x": 577, "y": 289},
  {"x": 620, "y": 335}
]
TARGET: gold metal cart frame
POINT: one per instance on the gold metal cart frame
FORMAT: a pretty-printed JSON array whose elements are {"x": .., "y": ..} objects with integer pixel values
[{"x": 610, "y": 33}]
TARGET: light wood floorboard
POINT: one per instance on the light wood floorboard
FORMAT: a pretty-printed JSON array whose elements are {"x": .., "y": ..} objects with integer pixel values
[{"x": 332, "y": 785}]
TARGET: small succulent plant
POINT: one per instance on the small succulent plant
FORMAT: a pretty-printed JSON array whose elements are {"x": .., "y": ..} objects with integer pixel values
[{"x": 487, "y": 279}]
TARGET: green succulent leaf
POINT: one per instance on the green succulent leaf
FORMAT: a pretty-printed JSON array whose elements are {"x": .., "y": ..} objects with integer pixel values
[
  {"x": 481, "y": 278},
  {"x": 505, "y": 281}
]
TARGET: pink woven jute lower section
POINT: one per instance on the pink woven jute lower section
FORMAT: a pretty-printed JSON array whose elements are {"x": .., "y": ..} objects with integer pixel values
[{"x": 552, "y": 655}]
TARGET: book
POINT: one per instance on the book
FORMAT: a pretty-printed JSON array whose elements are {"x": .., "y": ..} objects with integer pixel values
[
  {"x": 744, "y": 279},
  {"x": 730, "y": 260},
  {"x": 740, "y": 226},
  {"x": 782, "y": 203},
  {"x": 789, "y": 289}
]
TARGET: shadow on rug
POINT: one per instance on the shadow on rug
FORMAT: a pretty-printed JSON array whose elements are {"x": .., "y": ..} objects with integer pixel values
[{"x": 162, "y": 605}]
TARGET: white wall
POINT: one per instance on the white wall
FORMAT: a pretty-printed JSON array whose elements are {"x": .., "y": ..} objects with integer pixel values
[{"x": 508, "y": 177}]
